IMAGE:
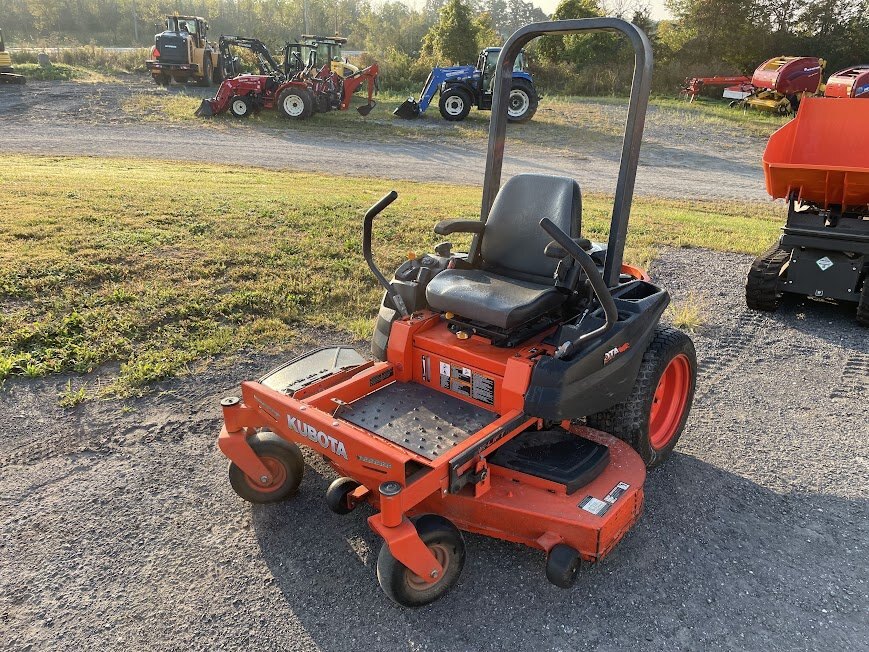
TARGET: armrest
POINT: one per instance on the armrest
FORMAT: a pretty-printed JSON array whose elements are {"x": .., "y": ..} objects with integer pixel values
[
  {"x": 555, "y": 250},
  {"x": 445, "y": 227}
]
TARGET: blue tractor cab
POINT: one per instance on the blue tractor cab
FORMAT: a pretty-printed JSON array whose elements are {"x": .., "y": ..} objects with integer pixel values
[{"x": 462, "y": 87}]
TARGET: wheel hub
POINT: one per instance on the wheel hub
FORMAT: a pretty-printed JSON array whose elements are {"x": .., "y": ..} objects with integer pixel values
[
  {"x": 454, "y": 105},
  {"x": 518, "y": 104},
  {"x": 442, "y": 555},
  {"x": 669, "y": 401},
  {"x": 293, "y": 105}
]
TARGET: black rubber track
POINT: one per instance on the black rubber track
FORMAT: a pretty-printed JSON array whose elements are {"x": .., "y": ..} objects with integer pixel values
[
  {"x": 863, "y": 304},
  {"x": 761, "y": 288}
]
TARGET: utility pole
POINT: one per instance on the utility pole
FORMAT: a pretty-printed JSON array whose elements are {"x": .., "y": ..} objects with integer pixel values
[{"x": 305, "y": 10}]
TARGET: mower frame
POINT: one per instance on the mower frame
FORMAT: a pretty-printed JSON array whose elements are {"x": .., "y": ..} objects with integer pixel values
[{"x": 511, "y": 391}]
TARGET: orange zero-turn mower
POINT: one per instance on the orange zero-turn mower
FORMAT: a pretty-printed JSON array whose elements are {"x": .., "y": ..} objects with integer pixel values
[{"x": 519, "y": 390}]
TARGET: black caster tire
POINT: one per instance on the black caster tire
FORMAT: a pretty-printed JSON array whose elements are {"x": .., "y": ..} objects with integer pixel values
[
  {"x": 455, "y": 104},
  {"x": 240, "y": 107},
  {"x": 762, "y": 285},
  {"x": 863, "y": 304},
  {"x": 652, "y": 418},
  {"x": 284, "y": 461},
  {"x": 337, "y": 495},
  {"x": 562, "y": 565},
  {"x": 404, "y": 587}
]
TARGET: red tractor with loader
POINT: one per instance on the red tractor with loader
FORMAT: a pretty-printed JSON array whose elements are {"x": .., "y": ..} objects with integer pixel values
[
  {"x": 819, "y": 163},
  {"x": 518, "y": 390},
  {"x": 295, "y": 89}
]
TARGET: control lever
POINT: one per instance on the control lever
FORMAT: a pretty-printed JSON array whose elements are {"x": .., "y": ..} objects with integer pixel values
[
  {"x": 601, "y": 291},
  {"x": 372, "y": 212}
]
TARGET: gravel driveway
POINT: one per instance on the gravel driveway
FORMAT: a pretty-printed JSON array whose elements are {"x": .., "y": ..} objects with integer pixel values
[
  {"x": 692, "y": 160},
  {"x": 120, "y": 530}
]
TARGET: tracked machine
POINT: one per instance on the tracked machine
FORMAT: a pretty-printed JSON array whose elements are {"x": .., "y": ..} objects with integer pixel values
[
  {"x": 819, "y": 163},
  {"x": 518, "y": 390}
]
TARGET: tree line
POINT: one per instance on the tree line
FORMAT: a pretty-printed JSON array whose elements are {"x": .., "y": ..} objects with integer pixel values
[{"x": 705, "y": 36}]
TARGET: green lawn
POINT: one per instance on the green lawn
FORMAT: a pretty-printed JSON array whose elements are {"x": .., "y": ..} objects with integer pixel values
[{"x": 155, "y": 266}]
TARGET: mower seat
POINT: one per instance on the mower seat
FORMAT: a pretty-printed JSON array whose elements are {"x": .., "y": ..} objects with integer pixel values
[{"x": 514, "y": 281}]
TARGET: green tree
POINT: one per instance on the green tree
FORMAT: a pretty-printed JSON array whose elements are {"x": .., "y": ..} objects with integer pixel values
[{"x": 453, "y": 38}]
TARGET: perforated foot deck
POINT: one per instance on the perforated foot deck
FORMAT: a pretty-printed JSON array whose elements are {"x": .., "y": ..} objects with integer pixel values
[{"x": 418, "y": 418}]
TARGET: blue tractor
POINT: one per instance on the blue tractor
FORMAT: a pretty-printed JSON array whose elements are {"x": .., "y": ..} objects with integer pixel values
[{"x": 462, "y": 87}]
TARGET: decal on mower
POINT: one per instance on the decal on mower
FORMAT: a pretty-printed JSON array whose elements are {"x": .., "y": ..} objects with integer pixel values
[
  {"x": 317, "y": 436},
  {"x": 600, "y": 507},
  {"x": 614, "y": 352},
  {"x": 379, "y": 378},
  {"x": 824, "y": 263}
]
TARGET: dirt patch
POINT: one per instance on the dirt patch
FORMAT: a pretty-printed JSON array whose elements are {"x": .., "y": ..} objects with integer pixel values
[
  {"x": 118, "y": 527},
  {"x": 682, "y": 156}
]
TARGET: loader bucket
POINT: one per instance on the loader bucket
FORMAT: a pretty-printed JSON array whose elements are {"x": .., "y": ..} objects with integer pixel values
[
  {"x": 205, "y": 109},
  {"x": 821, "y": 154},
  {"x": 365, "y": 110},
  {"x": 408, "y": 110}
]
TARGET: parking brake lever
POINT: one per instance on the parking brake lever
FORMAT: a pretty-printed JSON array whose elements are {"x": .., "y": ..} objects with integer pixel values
[{"x": 601, "y": 291}]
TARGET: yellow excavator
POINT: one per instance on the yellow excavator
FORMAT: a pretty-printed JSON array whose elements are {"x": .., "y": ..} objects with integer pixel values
[{"x": 7, "y": 74}]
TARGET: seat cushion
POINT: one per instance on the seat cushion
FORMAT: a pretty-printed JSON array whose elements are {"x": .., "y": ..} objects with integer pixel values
[{"x": 490, "y": 298}]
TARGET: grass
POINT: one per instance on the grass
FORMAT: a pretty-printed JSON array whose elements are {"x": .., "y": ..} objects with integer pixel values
[
  {"x": 573, "y": 125},
  {"x": 146, "y": 268},
  {"x": 96, "y": 59},
  {"x": 59, "y": 72},
  {"x": 687, "y": 314}
]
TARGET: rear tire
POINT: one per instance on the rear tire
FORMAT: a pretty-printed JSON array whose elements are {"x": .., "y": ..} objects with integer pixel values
[
  {"x": 207, "y": 70},
  {"x": 295, "y": 103},
  {"x": 455, "y": 104},
  {"x": 285, "y": 463},
  {"x": 562, "y": 564},
  {"x": 403, "y": 586},
  {"x": 522, "y": 103},
  {"x": 762, "y": 286},
  {"x": 241, "y": 106},
  {"x": 652, "y": 418}
]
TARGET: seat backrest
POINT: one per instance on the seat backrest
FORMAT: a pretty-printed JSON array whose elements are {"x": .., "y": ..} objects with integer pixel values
[{"x": 513, "y": 241}]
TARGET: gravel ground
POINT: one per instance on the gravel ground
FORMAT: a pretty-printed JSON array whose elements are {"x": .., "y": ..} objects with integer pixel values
[
  {"x": 120, "y": 530},
  {"x": 690, "y": 159}
]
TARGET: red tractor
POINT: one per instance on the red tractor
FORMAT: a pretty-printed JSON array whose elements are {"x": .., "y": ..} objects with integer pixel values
[{"x": 296, "y": 91}]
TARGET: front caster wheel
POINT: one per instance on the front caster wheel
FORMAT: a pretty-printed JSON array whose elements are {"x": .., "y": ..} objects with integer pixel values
[
  {"x": 562, "y": 564},
  {"x": 338, "y": 495},
  {"x": 407, "y": 588},
  {"x": 284, "y": 461}
]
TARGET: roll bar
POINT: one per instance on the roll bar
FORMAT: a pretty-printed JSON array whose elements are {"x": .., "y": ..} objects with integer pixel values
[{"x": 640, "y": 88}]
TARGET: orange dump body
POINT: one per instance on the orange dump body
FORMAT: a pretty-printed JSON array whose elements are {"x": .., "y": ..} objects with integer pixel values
[
  {"x": 851, "y": 82},
  {"x": 789, "y": 75},
  {"x": 822, "y": 154}
]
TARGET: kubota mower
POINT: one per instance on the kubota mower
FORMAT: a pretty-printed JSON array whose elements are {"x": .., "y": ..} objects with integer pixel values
[
  {"x": 781, "y": 83},
  {"x": 851, "y": 82},
  {"x": 819, "y": 162},
  {"x": 496, "y": 373}
]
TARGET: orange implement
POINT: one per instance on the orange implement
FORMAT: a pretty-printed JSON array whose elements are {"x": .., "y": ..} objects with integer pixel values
[{"x": 822, "y": 155}]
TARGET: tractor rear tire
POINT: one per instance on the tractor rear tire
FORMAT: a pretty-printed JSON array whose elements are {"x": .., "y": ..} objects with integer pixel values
[
  {"x": 863, "y": 304},
  {"x": 207, "y": 70},
  {"x": 522, "y": 104},
  {"x": 285, "y": 463},
  {"x": 240, "y": 106},
  {"x": 455, "y": 104},
  {"x": 651, "y": 419},
  {"x": 403, "y": 586},
  {"x": 295, "y": 103},
  {"x": 762, "y": 286}
]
